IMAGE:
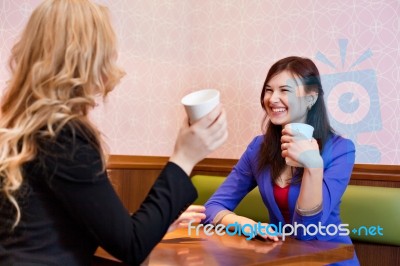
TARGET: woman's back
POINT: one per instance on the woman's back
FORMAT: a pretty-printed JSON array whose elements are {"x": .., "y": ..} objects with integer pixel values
[{"x": 49, "y": 231}]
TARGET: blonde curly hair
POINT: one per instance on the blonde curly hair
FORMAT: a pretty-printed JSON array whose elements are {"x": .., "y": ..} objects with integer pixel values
[{"x": 66, "y": 56}]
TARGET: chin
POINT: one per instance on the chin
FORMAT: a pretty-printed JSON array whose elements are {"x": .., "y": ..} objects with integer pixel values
[
  {"x": 278, "y": 122},
  {"x": 279, "y": 119}
]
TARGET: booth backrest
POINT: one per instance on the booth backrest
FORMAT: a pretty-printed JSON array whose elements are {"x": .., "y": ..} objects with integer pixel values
[
  {"x": 251, "y": 206},
  {"x": 364, "y": 208}
]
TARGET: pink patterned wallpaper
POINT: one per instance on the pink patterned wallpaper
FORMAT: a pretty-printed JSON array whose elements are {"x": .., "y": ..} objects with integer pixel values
[{"x": 172, "y": 47}]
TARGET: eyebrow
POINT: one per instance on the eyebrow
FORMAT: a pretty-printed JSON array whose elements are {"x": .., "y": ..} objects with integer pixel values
[{"x": 281, "y": 87}]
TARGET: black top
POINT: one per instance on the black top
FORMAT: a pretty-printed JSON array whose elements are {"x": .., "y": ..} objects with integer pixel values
[{"x": 69, "y": 208}]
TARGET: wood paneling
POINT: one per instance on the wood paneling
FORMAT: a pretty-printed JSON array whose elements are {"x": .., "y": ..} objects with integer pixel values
[
  {"x": 370, "y": 254},
  {"x": 363, "y": 174},
  {"x": 376, "y": 175},
  {"x": 132, "y": 185}
]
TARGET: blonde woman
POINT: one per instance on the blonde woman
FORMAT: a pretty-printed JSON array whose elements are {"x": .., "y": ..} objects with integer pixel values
[{"x": 56, "y": 202}]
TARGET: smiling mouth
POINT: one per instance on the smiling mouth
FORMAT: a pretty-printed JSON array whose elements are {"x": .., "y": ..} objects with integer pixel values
[{"x": 278, "y": 110}]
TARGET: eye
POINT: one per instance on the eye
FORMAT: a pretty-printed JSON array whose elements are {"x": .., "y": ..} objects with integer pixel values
[
  {"x": 268, "y": 90},
  {"x": 286, "y": 90}
]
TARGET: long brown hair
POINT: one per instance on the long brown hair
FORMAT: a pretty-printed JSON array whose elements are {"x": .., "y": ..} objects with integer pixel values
[
  {"x": 65, "y": 56},
  {"x": 307, "y": 72}
]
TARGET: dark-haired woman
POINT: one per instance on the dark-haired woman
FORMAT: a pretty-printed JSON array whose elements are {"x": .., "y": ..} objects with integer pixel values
[{"x": 308, "y": 194}]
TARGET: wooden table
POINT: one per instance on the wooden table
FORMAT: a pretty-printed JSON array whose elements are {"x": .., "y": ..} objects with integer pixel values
[{"x": 178, "y": 248}]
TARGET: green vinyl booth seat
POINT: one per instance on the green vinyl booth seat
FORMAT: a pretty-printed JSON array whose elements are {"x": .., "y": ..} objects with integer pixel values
[
  {"x": 364, "y": 208},
  {"x": 251, "y": 206}
]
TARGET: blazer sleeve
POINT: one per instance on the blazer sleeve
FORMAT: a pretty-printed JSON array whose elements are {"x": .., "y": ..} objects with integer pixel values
[
  {"x": 236, "y": 186},
  {"x": 339, "y": 157},
  {"x": 82, "y": 185}
]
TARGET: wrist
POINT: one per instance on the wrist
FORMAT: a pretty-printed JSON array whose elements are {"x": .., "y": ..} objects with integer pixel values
[
  {"x": 182, "y": 162},
  {"x": 314, "y": 162},
  {"x": 314, "y": 172},
  {"x": 309, "y": 212}
]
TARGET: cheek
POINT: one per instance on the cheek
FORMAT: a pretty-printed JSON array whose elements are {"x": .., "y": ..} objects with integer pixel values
[
  {"x": 296, "y": 103},
  {"x": 266, "y": 100},
  {"x": 292, "y": 101}
]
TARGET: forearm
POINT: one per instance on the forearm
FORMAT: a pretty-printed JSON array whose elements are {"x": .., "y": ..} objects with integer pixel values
[
  {"x": 129, "y": 239},
  {"x": 310, "y": 196},
  {"x": 170, "y": 195}
]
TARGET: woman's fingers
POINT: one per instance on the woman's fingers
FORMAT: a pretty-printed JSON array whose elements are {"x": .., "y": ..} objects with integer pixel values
[
  {"x": 286, "y": 138},
  {"x": 285, "y": 146},
  {"x": 196, "y": 208},
  {"x": 218, "y": 129},
  {"x": 288, "y": 132},
  {"x": 273, "y": 238},
  {"x": 210, "y": 118},
  {"x": 187, "y": 217},
  {"x": 269, "y": 233},
  {"x": 216, "y": 134},
  {"x": 194, "y": 214},
  {"x": 196, "y": 141}
]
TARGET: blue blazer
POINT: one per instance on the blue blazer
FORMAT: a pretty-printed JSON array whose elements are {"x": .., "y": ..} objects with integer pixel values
[{"x": 338, "y": 156}]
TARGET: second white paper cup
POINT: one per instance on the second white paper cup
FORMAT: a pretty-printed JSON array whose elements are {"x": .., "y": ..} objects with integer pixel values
[
  {"x": 199, "y": 103},
  {"x": 306, "y": 130}
]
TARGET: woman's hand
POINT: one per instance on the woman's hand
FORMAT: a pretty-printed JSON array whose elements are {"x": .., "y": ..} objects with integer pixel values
[
  {"x": 196, "y": 141},
  {"x": 192, "y": 213},
  {"x": 262, "y": 229},
  {"x": 304, "y": 152},
  {"x": 250, "y": 227}
]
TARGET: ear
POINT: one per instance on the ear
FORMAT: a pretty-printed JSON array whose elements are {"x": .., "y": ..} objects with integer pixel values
[{"x": 312, "y": 97}]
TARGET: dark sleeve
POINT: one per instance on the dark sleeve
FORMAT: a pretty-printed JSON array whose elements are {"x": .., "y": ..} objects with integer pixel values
[{"x": 85, "y": 190}]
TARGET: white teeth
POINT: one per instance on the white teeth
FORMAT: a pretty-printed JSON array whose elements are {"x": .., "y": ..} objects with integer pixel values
[{"x": 278, "y": 110}]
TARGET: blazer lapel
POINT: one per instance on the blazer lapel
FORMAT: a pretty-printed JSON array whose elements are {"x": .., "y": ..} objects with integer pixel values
[{"x": 294, "y": 191}]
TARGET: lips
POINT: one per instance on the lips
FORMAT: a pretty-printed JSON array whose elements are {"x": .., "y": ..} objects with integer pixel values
[{"x": 277, "y": 112}]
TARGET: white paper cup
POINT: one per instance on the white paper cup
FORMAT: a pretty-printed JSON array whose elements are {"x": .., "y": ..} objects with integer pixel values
[
  {"x": 199, "y": 103},
  {"x": 306, "y": 132},
  {"x": 305, "y": 129}
]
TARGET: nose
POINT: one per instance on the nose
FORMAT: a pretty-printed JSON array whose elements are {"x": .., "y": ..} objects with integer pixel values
[{"x": 274, "y": 97}]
